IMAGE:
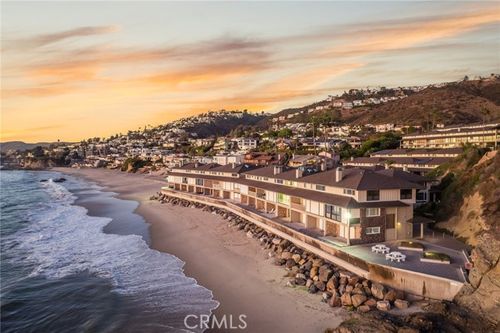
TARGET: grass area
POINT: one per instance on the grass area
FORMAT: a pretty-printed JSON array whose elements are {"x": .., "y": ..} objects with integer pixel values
[
  {"x": 436, "y": 256},
  {"x": 413, "y": 245}
]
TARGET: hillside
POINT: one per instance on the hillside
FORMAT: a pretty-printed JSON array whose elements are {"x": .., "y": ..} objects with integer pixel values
[
  {"x": 222, "y": 125},
  {"x": 21, "y": 146},
  {"x": 455, "y": 103},
  {"x": 471, "y": 197}
]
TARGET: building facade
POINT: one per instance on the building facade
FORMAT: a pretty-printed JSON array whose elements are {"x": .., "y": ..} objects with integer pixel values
[
  {"x": 480, "y": 135},
  {"x": 353, "y": 206}
]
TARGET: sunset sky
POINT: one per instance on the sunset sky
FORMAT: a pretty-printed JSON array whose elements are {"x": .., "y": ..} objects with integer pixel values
[{"x": 74, "y": 70}]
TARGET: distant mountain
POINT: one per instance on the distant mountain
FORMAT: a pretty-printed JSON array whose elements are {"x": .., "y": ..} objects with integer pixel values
[
  {"x": 456, "y": 103},
  {"x": 21, "y": 146}
]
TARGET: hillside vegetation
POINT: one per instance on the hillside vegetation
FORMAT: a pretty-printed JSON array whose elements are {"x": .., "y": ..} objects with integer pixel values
[{"x": 456, "y": 103}]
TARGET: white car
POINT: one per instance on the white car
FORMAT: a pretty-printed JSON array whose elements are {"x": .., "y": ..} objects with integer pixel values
[
  {"x": 380, "y": 248},
  {"x": 398, "y": 256}
]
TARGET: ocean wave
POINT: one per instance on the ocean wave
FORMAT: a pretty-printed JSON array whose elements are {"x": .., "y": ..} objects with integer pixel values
[{"x": 62, "y": 240}]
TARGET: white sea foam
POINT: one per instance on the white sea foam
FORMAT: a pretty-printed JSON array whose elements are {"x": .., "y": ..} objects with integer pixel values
[{"x": 63, "y": 240}]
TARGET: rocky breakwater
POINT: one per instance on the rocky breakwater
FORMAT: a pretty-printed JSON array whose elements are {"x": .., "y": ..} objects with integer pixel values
[{"x": 306, "y": 271}]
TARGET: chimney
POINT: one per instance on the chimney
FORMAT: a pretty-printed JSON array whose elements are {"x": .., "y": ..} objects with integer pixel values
[
  {"x": 196, "y": 164},
  {"x": 386, "y": 166},
  {"x": 233, "y": 165},
  {"x": 405, "y": 168},
  {"x": 298, "y": 173},
  {"x": 323, "y": 165},
  {"x": 339, "y": 174},
  {"x": 352, "y": 158},
  {"x": 277, "y": 169}
]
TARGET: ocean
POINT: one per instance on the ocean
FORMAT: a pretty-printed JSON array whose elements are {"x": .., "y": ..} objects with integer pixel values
[{"x": 67, "y": 269}]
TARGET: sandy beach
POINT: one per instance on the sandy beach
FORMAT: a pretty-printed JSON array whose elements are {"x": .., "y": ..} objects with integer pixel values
[{"x": 233, "y": 266}]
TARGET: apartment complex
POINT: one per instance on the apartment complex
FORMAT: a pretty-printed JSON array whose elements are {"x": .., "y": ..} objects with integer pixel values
[
  {"x": 418, "y": 161},
  {"x": 480, "y": 135},
  {"x": 352, "y": 206}
]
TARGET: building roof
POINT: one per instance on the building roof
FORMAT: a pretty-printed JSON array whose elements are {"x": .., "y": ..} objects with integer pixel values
[
  {"x": 418, "y": 152},
  {"x": 334, "y": 199},
  {"x": 400, "y": 160},
  {"x": 353, "y": 178}
]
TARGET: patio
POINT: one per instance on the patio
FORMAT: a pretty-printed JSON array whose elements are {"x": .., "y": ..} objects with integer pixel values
[{"x": 452, "y": 271}]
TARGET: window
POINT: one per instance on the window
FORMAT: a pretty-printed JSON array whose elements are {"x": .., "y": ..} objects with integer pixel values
[
  {"x": 372, "y": 212},
  {"x": 278, "y": 181},
  {"x": 320, "y": 187},
  {"x": 199, "y": 182},
  {"x": 333, "y": 212},
  {"x": 184, "y": 180},
  {"x": 421, "y": 196},
  {"x": 372, "y": 195},
  {"x": 372, "y": 230},
  {"x": 348, "y": 191},
  {"x": 406, "y": 194},
  {"x": 283, "y": 198}
]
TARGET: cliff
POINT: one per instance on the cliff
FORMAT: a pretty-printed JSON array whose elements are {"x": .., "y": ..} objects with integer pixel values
[{"x": 477, "y": 222}]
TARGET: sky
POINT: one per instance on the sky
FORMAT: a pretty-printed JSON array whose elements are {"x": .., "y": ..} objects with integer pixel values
[{"x": 74, "y": 70}]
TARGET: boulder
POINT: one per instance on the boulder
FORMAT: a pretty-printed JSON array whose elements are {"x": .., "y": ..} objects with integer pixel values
[
  {"x": 324, "y": 275},
  {"x": 401, "y": 304},
  {"x": 312, "y": 289},
  {"x": 335, "y": 301},
  {"x": 352, "y": 281},
  {"x": 326, "y": 296},
  {"x": 300, "y": 282},
  {"x": 358, "y": 291},
  {"x": 300, "y": 276},
  {"x": 383, "y": 305},
  {"x": 349, "y": 288},
  {"x": 368, "y": 291},
  {"x": 286, "y": 255},
  {"x": 364, "y": 308},
  {"x": 378, "y": 290},
  {"x": 276, "y": 241},
  {"x": 332, "y": 284},
  {"x": 308, "y": 265},
  {"x": 309, "y": 282},
  {"x": 371, "y": 302},
  {"x": 289, "y": 263},
  {"x": 343, "y": 280},
  {"x": 346, "y": 299},
  {"x": 318, "y": 262},
  {"x": 341, "y": 289},
  {"x": 390, "y": 296},
  {"x": 357, "y": 300},
  {"x": 296, "y": 257},
  {"x": 320, "y": 285},
  {"x": 314, "y": 271}
]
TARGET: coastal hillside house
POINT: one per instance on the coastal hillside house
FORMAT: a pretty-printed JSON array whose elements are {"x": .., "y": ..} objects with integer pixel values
[
  {"x": 418, "y": 161},
  {"x": 228, "y": 159},
  {"x": 351, "y": 206},
  {"x": 261, "y": 158},
  {"x": 484, "y": 135},
  {"x": 246, "y": 143}
]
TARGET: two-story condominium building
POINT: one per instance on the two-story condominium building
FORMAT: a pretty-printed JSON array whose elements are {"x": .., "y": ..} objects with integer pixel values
[
  {"x": 480, "y": 135},
  {"x": 419, "y": 161},
  {"x": 353, "y": 206}
]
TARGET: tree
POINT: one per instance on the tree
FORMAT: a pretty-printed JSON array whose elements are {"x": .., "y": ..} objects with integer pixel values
[{"x": 285, "y": 133}]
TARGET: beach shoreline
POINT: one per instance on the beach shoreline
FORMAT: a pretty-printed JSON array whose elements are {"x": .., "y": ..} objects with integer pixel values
[{"x": 234, "y": 267}]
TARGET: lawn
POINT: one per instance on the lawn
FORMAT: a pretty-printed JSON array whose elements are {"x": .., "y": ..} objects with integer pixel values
[{"x": 438, "y": 256}]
